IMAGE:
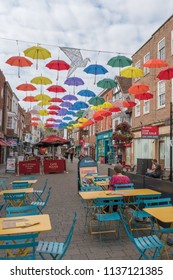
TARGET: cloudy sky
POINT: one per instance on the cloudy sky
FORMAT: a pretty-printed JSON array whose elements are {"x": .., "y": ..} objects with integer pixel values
[{"x": 99, "y": 28}]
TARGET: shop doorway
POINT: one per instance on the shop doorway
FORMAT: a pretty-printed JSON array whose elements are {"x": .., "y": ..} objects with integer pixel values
[{"x": 162, "y": 154}]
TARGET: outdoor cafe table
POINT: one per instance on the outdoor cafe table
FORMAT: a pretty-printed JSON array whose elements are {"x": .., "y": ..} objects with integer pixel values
[
  {"x": 124, "y": 193},
  {"x": 38, "y": 223},
  {"x": 164, "y": 214},
  {"x": 25, "y": 190},
  {"x": 31, "y": 182}
]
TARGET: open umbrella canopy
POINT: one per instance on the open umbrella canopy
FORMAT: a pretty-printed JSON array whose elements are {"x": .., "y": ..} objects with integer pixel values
[
  {"x": 35, "y": 119},
  {"x": 40, "y": 80},
  {"x": 67, "y": 118},
  {"x": 97, "y": 100},
  {"x": 81, "y": 120},
  {"x": 19, "y": 61},
  {"x": 62, "y": 112},
  {"x": 86, "y": 93},
  {"x": 89, "y": 122},
  {"x": 166, "y": 74},
  {"x": 52, "y": 112},
  {"x": 114, "y": 109},
  {"x": 37, "y": 52},
  {"x": 54, "y": 107},
  {"x": 50, "y": 120},
  {"x": 131, "y": 72},
  {"x": 107, "y": 83},
  {"x": 79, "y": 114},
  {"x": 26, "y": 87},
  {"x": 95, "y": 69},
  {"x": 155, "y": 63},
  {"x": 138, "y": 88},
  {"x": 119, "y": 61},
  {"x": 66, "y": 104},
  {"x": 56, "y": 88},
  {"x": 34, "y": 123},
  {"x": 43, "y": 112},
  {"x": 42, "y": 97},
  {"x": 44, "y": 103},
  {"x": 74, "y": 81},
  {"x": 30, "y": 98},
  {"x": 102, "y": 112},
  {"x": 56, "y": 99},
  {"x": 58, "y": 65},
  {"x": 79, "y": 105},
  {"x": 71, "y": 113},
  {"x": 98, "y": 118},
  {"x": 69, "y": 97},
  {"x": 144, "y": 96},
  {"x": 124, "y": 103},
  {"x": 33, "y": 112},
  {"x": 106, "y": 105}
]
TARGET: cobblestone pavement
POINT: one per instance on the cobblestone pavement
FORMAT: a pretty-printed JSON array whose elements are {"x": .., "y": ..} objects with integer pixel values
[{"x": 64, "y": 201}]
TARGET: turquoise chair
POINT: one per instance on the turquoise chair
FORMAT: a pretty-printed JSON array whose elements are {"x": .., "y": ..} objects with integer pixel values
[
  {"x": 129, "y": 186},
  {"x": 104, "y": 215},
  {"x": 42, "y": 204},
  {"x": 14, "y": 199},
  {"x": 15, "y": 247},
  {"x": 38, "y": 193},
  {"x": 31, "y": 177},
  {"x": 149, "y": 246},
  {"x": 3, "y": 184},
  {"x": 21, "y": 211},
  {"x": 89, "y": 188},
  {"x": 56, "y": 250},
  {"x": 20, "y": 185}
]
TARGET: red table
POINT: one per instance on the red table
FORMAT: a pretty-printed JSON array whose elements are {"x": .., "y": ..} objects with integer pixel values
[
  {"x": 29, "y": 167},
  {"x": 54, "y": 165}
]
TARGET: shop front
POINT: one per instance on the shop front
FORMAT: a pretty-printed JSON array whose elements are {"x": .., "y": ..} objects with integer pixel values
[{"x": 103, "y": 144}]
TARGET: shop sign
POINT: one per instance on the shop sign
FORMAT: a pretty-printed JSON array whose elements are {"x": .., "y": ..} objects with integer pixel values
[
  {"x": 29, "y": 167},
  {"x": 149, "y": 132},
  {"x": 11, "y": 165},
  {"x": 12, "y": 142}
]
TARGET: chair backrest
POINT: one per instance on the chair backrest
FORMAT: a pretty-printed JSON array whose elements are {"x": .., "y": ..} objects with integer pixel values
[
  {"x": 20, "y": 185},
  {"x": 45, "y": 185},
  {"x": 14, "y": 196},
  {"x": 160, "y": 202},
  {"x": 3, "y": 184},
  {"x": 47, "y": 197},
  {"x": 91, "y": 188},
  {"x": 126, "y": 225},
  {"x": 129, "y": 186},
  {"x": 17, "y": 246},
  {"x": 69, "y": 236},
  {"x": 140, "y": 199},
  {"x": 31, "y": 177},
  {"x": 108, "y": 201},
  {"x": 100, "y": 178},
  {"x": 21, "y": 211}
]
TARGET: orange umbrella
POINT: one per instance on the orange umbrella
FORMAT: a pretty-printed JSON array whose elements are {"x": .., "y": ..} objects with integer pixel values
[
  {"x": 155, "y": 63},
  {"x": 138, "y": 88},
  {"x": 34, "y": 124},
  {"x": 89, "y": 122},
  {"x": 29, "y": 98},
  {"x": 26, "y": 87},
  {"x": 144, "y": 96},
  {"x": 102, "y": 112},
  {"x": 124, "y": 103},
  {"x": 19, "y": 61},
  {"x": 35, "y": 119},
  {"x": 98, "y": 118}
]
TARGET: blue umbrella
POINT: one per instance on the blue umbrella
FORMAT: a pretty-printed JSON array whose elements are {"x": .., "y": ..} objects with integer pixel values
[
  {"x": 95, "y": 69},
  {"x": 62, "y": 112},
  {"x": 74, "y": 81},
  {"x": 69, "y": 97},
  {"x": 66, "y": 104},
  {"x": 67, "y": 118},
  {"x": 70, "y": 113},
  {"x": 86, "y": 93},
  {"x": 79, "y": 105}
]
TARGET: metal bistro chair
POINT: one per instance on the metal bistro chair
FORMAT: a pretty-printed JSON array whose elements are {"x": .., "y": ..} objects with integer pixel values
[
  {"x": 14, "y": 199},
  {"x": 3, "y": 184},
  {"x": 20, "y": 185},
  {"x": 38, "y": 193},
  {"x": 22, "y": 211},
  {"x": 149, "y": 246},
  {"x": 18, "y": 247},
  {"x": 129, "y": 186},
  {"x": 56, "y": 250},
  {"x": 31, "y": 177},
  {"x": 102, "y": 216},
  {"x": 42, "y": 204}
]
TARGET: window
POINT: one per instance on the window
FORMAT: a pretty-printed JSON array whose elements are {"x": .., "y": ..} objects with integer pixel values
[
  {"x": 161, "y": 49},
  {"x": 146, "y": 106},
  {"x": 161, "y": 94},
  {"x": 9, "y": 122},
  {"x": 138, "y": 65},
  {"x": 146, "y": 58},
  {"x": 137, "y": 108}
]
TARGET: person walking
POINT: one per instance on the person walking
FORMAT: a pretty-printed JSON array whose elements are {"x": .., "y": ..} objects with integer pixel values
[{"x": 71, "y": 155}]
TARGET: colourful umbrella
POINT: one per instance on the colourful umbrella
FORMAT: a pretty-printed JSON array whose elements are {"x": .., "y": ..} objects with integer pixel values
[
  {"x": 54, "y": 107},
  {"x": 95, "y": 69},
  {"x": 71, "y": 113},
  {"x": 50, "y": 125},
  {"x": 106, "y": 105},
  {"x": 44, "y": 103},
  {"x": 43, "y": 112},
  {"x": 66, "y": 104},
  {"x": 19, "y": 61},
  {"x": 131, "y": 72},
  {"x": 56, "y": 99},
  {"x": 26, "y": 87},
  {"x": 74, "y": 81},
  {"x": 166, "y": 74},
  {"x": 119, "y": 61},
  {"x": 102, "y": 112},
  {"x": 81, "y": 120},
  {"x": 42, "y": 97},
  {"x": 69, "y": 97},
  {"x": 51, "y": 120},
  {"x": 107, "y": 83},
  {"x": 29, "y": 99},
  {"x": 89, "y": 122},
  {"x": 138, "y": 88},
  {"x": 86, "y": 93},
  {"x": 52, "y": 112},
  {"x": 124, "y": 103},
  {"x": 33, "y": 111},
  {"x": 56, "y": 88},
  {"x": 97, "y": 100},
  {"x": 34, "y": 124},
  {"x": 79, "y": 114},
  {"x": 37, "y": 52},
  {"x": 144, "y": 96},
  {"x": 58, "y": 65},
  {"x": 40, "y": 80},
  {"x": 114, "y": 109},
  {"x": 79, "y": 105},
  {"x": 67, "y": 118},
  {"x": 62, "y": 112},
  {"x": 98, "y": 118},
  {"x": 155, "y": 63},
  {"x": 35, "y": 119}
]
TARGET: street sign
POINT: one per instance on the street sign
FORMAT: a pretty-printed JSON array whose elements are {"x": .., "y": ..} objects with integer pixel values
[{"x": 149, "y": 132}]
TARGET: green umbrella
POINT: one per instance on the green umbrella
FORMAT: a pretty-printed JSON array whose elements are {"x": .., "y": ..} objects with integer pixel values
[
  {"x": 79, "y": 114},
  {"x": 119, "y": 61},
  {"x": 72, "y": 122},
  {"x": 96, "y": 101},
  {"x": 107, "y": 83}
]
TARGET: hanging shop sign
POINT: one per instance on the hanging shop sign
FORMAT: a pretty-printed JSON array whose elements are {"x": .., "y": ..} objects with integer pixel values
[{"x": 149, "y": 132}]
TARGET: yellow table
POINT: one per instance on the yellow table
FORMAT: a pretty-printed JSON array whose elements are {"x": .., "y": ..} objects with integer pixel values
[
  {"x": 26, "y": 190},
  {"x": 31, "y": 182},
  {"x": 42, "y": 223},
  {"x": 164, "y": 214},
  {"x": 125, "y": 193}
]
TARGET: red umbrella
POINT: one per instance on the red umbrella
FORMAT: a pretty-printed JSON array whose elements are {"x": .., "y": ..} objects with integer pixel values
[
  {"x": 166, "y": 74},
  {"x": 51, "y": 120},
  {"x": 144, "y": 96},
  {"x": 155, "y": 63},
  {"x": 54, "y": 107},
  {"x": 19, "y": 61},
  {"x": 138, "y": 88},
  {"x": 56, "y": 88},
  {"x": 50, "y": 125},
  {"x": 58, "y": 65},
  {"x": 35, "y": 119},
  {"x": 98, "y": 118},
  {"x": 124, "y": 103},
  {"x": 52, "y": 113},
  {"x": 54, "y": 138},
  {"x": 56, "y": 99},
  {"x": 34, "y": 124},
  {"x": 114, "y": 109}
]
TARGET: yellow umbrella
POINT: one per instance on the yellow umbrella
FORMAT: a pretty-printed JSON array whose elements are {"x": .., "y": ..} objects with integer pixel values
[
  {"x": 106, "y": 105},
  {"x": 94, "y": 108},
  {"x": 40, "y": 80},
  {"x": 81, "y": 120},
  {"x": 76, "y": 124},
  {"x": 37, "y": 52},
  {"x": 43, "y": 112},
  {"x": 42, "y": 97},
  {"x": 69, "y": 127},
  {"x": 44, "y": 103},
  {"x": 131, "y": 72}
]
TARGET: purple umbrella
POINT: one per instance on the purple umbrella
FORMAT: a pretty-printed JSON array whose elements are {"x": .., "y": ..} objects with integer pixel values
[
  {"x": 62, "y": 112},
  {"x": 69, "y": 97},
  {"x": 66, "y": 104},
  {"x": 74, "y": 81},
  {"x": 58, "y": 121}
]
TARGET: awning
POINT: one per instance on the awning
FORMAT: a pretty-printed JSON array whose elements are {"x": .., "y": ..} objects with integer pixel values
[{"x": 4, "y": 143}]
